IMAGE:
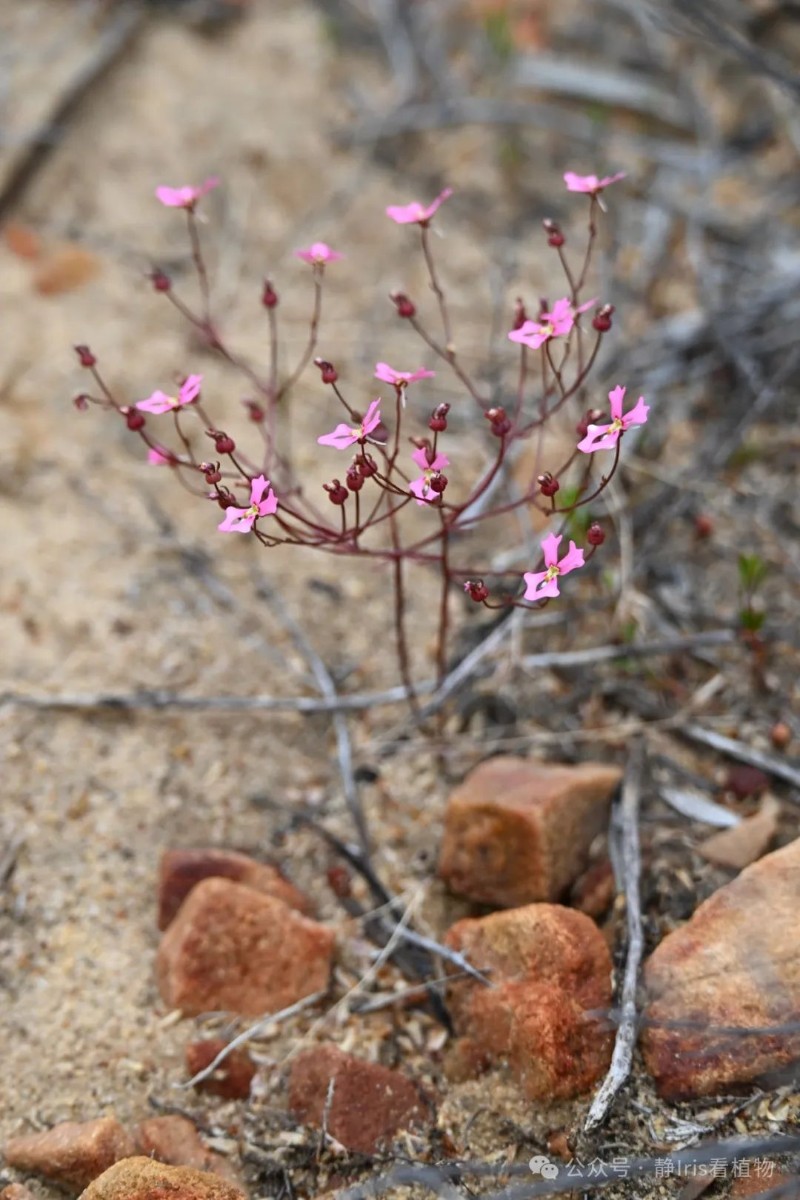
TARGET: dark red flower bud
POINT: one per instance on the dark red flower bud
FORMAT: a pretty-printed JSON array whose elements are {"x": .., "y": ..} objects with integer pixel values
[
  {"x": 133, "y": 418},
  {"x": 354, "y": 478},
  {"x": 367, "y": 465},
  {"x": 520, "y": 315},
  {"x": 602, "y": 319},
  {"x": 269, "y": 297},
  {"x": 595, "y": 534},
  {"x": 438, "y": 421},
  {"x": 337, "y": 492},
  {"x": 255, "y": 412},
  {"x": 554, "y": 235},
  {"x": 160, "y": 280},
  {"x": 476, "y": 590},
  {"x": 85, "y": 356},
  {"x": 81, "y": 402},
  {"x": 223, "y": 444},
  {"x": 703, "y": 526},
  {"x": 437, "y": 482},
  {"x": 224, "y": 499},
  {"x": 211, "y": 472},
  {"x": 499, "y": 421},
  {"x": 548, "y": 485},
  {"x": 404, "y": 306},
  {"x": 328, "y": 371}
]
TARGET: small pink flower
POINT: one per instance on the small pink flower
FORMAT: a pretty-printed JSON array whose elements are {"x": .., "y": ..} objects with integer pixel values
[
  {"x": 605, "y": 437},
  {"x": 263, "y": 503},
  {"x": 157, "y": 457},
  {"x": 160, "y": 402},
  {"x": 318, "y": 254},
  {"x": 346, "y": 435},
  {"x": 185, "y": 197},
  {"x": 590, "y": 183},
  {"x": 400, "y": 379},
  {"x": 416, "y": 213},
  {"x": 422, "y": 487},
  {"x": 540, "y": 584},
  {"x": 557, "y": 323}
]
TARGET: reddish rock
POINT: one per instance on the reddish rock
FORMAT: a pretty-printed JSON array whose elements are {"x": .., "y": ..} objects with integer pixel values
[
  {"x": 231, "y": 1079},
  {"x": 517, "y": 831},
  {"x": 369, "y": 1104},
  {"x": 145, "y": 1179},
  {"x": 16, "y": 1191},
  {"x": 756, "y": 1176},
  {"x": 551, "y": 973},
  {"x": 234, "y": 949},
  {"x": 173, "y": 1139},
  {"x": 733, "y": 967},
  {"x": 181, "y": 870},
  {"x": 72, "y": 1154},
  {"x": 594, "y": 892}
]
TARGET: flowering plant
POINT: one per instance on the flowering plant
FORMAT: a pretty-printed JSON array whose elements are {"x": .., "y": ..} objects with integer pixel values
[{"x": 381, "y": 483}]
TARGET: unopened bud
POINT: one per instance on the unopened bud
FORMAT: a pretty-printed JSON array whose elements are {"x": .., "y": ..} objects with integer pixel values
[
  {"x": 81, "y": 402},
  {"x": 554, "y": 235},
  {"x": 337, "y": 492},
  {"x": 602, "y": 319},
  {"x": 548, "y": 485},
  {"x": 211, "y": 472},
  {"x": 269, "y": 297},
  {"x": 328, "y": 371},
  {"x": 404, "y": 306},
  {"x": 224, "y": 499},
  {"x": 499, "y": 421},
  {"x": 133, "y": 418},
  {"x": 476, "y": 589},
  {"x": 438, "y": 421},
  {"x": 367, "y": 465},
  {"x": 223, "y": 444},
  {"x": 255, "y": 412},
  {"x": 520, "y": 315},
  {"x": 160, "y": 280},
  {"x": 595, "y": 534},
  {"x": 85, "y": 356},
  {"x": 354, "y": 478},
  {"x": 437, "y": 482}
]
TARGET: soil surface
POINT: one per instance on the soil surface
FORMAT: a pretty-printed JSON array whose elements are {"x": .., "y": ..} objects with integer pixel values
[{"x": 114, "y": 580}]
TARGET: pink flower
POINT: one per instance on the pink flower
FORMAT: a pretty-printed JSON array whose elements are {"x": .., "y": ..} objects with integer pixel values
[
  {"x": 416, "y": 213},
  {"x": 540, "y": 584},
  {"x": 590, "y": 183},
  {"x": 549, "y": 324},
  {"x": 346, "y": 435},
  {"x": 318, "y": 254},
  {"x": 400, "y": 379},
  {"x": 160, "y": 458},
  {"x": 160, "y": 402},
  {"x": 185, "y": 197},
  {"x": 241, "y": 520},
  {"x": 605, "y": 437},
  {"x": 422, "y": 487}
]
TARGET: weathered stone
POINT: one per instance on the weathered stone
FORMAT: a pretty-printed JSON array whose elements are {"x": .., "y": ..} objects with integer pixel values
[
  {"x": 181, "y": 870},
  {"x": 231, "y": 1079},
  {"x": 145, "y": 1179},
  {"x": 518, "y": 831},
  {"x": 732, "y": 968},
  {"x": 762, "y": 1175},
  {"x": 73, "y": 1153},
  {"x": 551, "y": 975},
  {"x": 174, "y": 1140},
  {"x": 234, "y": 949},
  {"x": 16, "y": 1191},
  {"x": 369, "y": 1103},
  {"x": 742, "y": 844}
]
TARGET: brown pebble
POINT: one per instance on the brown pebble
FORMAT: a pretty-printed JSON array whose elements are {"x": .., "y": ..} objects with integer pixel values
[
  {"x": 231, "y": 1079},
  {"x": 181, "y": 870},
  {"x": 72, "y": 1153},
  {"x": 142, "y": 1178}
]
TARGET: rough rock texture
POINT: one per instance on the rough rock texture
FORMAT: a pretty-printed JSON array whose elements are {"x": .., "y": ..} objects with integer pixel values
[
  {"x": 181, "y": 870},
  {"x": 234, "y": 949},
  {"x": 517, "y": 831},
  {"x": 16, "y": 1191},
  {"x": 369, "y": 1104},
  {"x": 144, "y": 1179},
  {"x": 549, "y": 966},
  {"x": 73, "y": 1153},
  {"x": 174, "y": 1140},
  {"x": 231, "y": 1079},
  {"x": 734, "y": 966}
]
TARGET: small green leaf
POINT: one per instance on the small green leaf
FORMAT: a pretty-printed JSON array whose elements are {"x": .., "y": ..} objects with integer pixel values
[
  {"x": 751, "y": 619},
  {"x": 752, "y": 572}
]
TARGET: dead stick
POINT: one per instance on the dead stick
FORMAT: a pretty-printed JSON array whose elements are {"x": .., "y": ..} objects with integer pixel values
[{"x": 770, "y": 763}]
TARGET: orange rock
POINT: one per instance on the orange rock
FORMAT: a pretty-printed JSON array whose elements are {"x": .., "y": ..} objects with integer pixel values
[
  {"x": 518, "y": 831},
  {"x": 551, "y": 970},
  {"x": 145, "y": 1179},
  {"x": 174, "y": 1140},
  {"x": 732, "y": 968},
  {"x": 72, "y": 1154},
  {"x": 65, "y": 269},
  {"x": 180, "y": 870},
  {"x": 369, "y": 1103},
  {"x": 762, "y": 1176},
  {"x": 234, "y": 949},
  {"x": 231, "y": 1079}
]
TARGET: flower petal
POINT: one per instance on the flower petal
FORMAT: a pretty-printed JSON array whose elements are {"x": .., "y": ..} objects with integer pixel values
[
  {"x": 571, "y": 560},
  {"x": 616, "y": 398},
  {"x": 550, "y": 546},
  {"x": 638, "y": 414},
  {"x": 190, "y": 389},
  {"x": 237, "y": 520},
  {"x": 341, "y": 437},
  {"x": 598, "y": 438},
  {"x": 539, "y": 586}
]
